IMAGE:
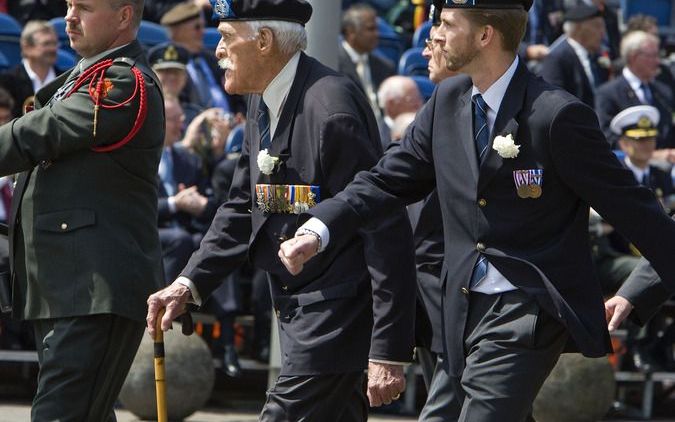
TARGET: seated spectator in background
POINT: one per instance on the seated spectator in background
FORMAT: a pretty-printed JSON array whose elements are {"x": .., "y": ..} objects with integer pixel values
[
  {"x": 534, "y": 46},
  {"x": 153, "y": 10},
  {"x": 397, "y": 95},
  {"x": 649, "y": 25},
  {"x": 610, "y": 17},
  {"x": 637, "y": 85},
  {"x": 207, "y": 135},
  {"x": 39, "y": 45},
  {"x": 573, "y": 64},
  {"x": 185, "y": 208},
  {"x": 169, "y": 62},
  {"x": 650, "y": 348},
  {"x": 438, "y": 70},
  {"x": 28, "y": 10},
  {"x": 185, "y": 23},
  {"x": 6, "y": 106},
  {"x": 356, "y": 58},
  {"x": 613, "y": 256}
]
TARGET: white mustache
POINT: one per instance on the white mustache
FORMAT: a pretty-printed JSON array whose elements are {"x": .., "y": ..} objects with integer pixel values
[{"x": 226, "y": 64}]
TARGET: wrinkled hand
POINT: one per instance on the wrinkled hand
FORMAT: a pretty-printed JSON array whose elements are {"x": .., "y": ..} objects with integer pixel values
[
  {"x": 298, "y": 250},
  {"x": 616, "y": 310},
  {"x": 386, "y": 382},
  {"x": 173, "y": 299}
]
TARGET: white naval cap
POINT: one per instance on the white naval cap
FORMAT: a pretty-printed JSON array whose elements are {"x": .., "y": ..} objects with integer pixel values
[{"x": 636, "y": 122}]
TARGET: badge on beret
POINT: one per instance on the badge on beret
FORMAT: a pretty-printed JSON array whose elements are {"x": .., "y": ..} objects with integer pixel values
[
  {"x": 528, "y": 182},
  {"x": 171, "y": 54},
  {"x": 222, "y": 9}
]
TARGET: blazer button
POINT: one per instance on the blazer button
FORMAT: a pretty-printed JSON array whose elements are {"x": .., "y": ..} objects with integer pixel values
[
  {"x": 482, "y": 202},
  {"x": 480, "y": 246},
  {"x": 464, "y": 290},
  {"x": 284, "y": 287},
  {"x": 64, "y": 226}
]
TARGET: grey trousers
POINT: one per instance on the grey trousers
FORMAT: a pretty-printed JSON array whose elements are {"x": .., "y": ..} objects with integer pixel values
[
  {"x": 317, "y": 398},
  {"x": 83, "y": 364},
  {"x": 442, "y": 389},
  {"x": 510, "y": 347}
]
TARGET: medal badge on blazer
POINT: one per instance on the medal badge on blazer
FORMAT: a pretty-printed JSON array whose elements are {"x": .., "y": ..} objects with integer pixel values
[
  {"x": 528, "y": 182},
  {"x": 286, "y": 199}
]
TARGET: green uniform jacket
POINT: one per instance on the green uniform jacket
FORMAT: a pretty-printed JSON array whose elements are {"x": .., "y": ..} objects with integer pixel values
[{"x": 83, "y": 226}]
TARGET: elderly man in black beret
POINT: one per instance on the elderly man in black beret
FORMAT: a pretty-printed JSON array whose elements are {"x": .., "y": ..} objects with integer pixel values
[
  {"x": 309, "y": 130},
  {"x": 516, "y": 163}
]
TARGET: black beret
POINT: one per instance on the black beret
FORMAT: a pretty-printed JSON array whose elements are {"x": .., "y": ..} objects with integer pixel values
[
  {"x": 298, "y": 11},
  {"x": 168, "y": 56},
  {"x": 489, "y": 4},
  {"x": 582, "y": 13},
  {"x": 182, "y": 12},
  {"x": 435, "y": 12}
]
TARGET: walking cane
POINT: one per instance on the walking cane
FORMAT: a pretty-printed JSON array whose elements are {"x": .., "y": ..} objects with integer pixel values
[{"x": 160, "y": 386}]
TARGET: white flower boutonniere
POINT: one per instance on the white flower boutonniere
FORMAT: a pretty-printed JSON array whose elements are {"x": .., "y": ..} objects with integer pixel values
[
  {"x": 506, "y": 146},
  {"x": 266, "y": 162}
]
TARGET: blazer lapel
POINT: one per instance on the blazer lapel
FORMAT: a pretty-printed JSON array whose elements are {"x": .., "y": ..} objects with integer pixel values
[
  {"x": 505, "y": 124},
  {"x": 464, "y": 130},
  {"x": 631, "y": 97}
]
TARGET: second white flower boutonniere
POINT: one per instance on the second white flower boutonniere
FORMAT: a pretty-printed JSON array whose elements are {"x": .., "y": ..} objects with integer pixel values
[
  {"x": 506, "y": 146},
  {"x": 266, "y": 163}
]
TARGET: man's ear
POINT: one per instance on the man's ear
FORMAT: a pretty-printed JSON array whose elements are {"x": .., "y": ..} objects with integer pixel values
[
  {"x": 265, "y": 40},
  {"x": 126, "y": 15}
]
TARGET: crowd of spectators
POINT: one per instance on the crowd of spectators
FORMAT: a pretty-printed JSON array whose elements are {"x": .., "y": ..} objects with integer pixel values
[{"x": 582, "y": 46}]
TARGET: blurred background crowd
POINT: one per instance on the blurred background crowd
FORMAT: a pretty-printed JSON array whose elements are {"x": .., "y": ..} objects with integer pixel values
[{"x": 611, "y": 54}]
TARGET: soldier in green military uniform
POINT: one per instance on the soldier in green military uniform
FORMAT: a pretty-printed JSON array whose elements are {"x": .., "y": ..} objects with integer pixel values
[{"x": 83, "y": 239}]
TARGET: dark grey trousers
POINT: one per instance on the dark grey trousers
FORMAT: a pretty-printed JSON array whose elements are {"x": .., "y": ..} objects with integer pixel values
[
  {"x": 318, "y": 398},
  {"x": 83, "y": 364},
  {"x": 442, "y": 389},
  {"x": 510, "y": 346}
]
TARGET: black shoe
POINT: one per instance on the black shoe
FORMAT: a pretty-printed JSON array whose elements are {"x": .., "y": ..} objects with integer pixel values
[{"x": 231, "y": 362}]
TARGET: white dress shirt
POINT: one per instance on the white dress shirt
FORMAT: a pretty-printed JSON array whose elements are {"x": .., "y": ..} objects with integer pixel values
[
  {"x": 35, "y": 79},
  {"x": 635, "y": 84}
]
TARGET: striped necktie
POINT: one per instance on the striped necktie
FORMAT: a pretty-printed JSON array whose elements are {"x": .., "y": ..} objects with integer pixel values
[
  {"x": 481, "y": 133},
  {"x": 264, "y": 125}
]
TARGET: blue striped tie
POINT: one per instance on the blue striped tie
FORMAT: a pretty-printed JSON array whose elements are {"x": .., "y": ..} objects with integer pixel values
[
  {"x": 264, "y": 125},
  {"x": 479, "y": 271},
  {"x": 481, "y": 133}
]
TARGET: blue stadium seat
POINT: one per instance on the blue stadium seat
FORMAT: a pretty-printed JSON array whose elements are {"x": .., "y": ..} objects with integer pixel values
[
  {"x": 421, "y": 34},
  {"x": 211, "y": 38},
  {"x": 235, "y": 139},
  {"x": 59, "y": 25},
  {"x": 150, "y": 34},
  {"x": 425, "y": 86},
  {"x": 9, "y": 25},
  {"x": 389, "y": 44},
  {"x": 10, "y": 33},
  {"x": 65, "y": 59},
  {"x": 4, "y": 63},
  {"x": 413, "y": 63},
  {"x": 660, "y": 9}
]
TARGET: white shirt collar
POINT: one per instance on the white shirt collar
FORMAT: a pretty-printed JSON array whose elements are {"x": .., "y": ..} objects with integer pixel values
[
  {"x": 35, "y": 79},
  {"x": 578, "y": 48},
  {"x": 277, "y": 91},
  {"x": 634, "y": 82},
  {"x": 353, "y": 54},
  {"x": 494, "y": 95},
  {"x": 637, "y": 171}
]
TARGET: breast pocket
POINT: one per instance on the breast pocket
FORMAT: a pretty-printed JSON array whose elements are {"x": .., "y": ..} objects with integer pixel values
[{"x": 57, "y": 233}]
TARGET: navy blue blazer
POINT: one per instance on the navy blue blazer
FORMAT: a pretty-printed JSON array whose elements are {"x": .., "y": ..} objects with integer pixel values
[
  {"x": 540, "y": 244},
  {"x": 352, "y": 302},
  {"x": 617, "y": 95}
]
